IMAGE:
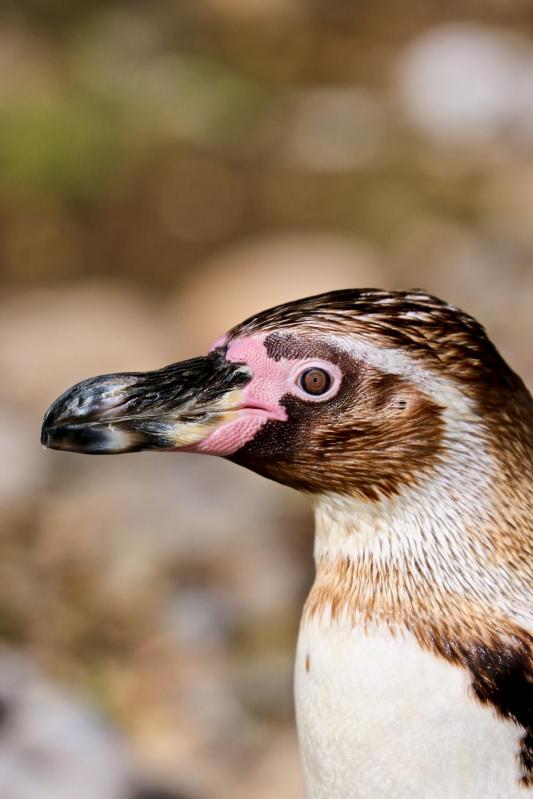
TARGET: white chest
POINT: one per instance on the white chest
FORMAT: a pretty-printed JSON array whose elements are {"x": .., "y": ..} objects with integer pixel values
[{"x": 379, "y": 718}]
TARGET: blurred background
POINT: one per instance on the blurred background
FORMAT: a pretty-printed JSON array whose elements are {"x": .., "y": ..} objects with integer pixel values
[{"x": 166, "y": 169}]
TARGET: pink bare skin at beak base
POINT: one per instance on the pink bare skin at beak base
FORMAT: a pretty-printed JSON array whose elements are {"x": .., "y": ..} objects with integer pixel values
[{"x": 261, "y": 397}]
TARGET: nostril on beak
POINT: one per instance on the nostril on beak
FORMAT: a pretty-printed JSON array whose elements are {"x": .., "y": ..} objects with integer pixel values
[
  {"x": 99, "y": 400},
  {"x": 91, "y": 399}
]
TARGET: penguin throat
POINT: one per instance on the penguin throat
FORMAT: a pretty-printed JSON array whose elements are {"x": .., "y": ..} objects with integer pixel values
[{"x": 439, "y": 542}]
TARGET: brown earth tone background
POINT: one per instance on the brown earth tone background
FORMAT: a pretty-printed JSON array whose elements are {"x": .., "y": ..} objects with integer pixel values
[{"x": 167, "y": 168}]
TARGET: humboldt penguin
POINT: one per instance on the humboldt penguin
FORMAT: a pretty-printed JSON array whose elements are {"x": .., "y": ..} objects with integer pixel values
[{"x": 395, "y": 414}]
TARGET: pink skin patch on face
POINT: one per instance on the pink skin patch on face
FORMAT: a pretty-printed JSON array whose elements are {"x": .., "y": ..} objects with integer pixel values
[{"x": 260, "y": 398}]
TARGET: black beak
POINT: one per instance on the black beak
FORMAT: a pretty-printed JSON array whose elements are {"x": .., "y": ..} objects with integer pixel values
[{"x": 169, "y": 408}]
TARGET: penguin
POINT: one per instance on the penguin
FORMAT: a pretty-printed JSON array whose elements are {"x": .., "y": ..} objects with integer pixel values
[{"x": 413, "y": 440}]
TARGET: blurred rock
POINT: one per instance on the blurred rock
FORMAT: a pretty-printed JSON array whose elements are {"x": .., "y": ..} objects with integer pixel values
[
  {"x": 264, "y": 685},
  {"x": 264, "y": 272},
  {"x": 188, "y": 723},
  {"x": 127, "y": 536},
  {"x": 334, "y": 128},
  {"x": 468, "y": 82},
  {"x": 158, "y": 571},
  {"x": 53, "y": 337},
  {"x": 22, "y": 469},
  {"x": 199, "y": 619},
  {"x": 51, "y": 745},
  {"x": 276, "y": 773}
]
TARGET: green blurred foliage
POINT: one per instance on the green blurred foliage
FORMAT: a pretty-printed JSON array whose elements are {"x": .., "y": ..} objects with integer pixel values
[{"x": 60, "y": 145}]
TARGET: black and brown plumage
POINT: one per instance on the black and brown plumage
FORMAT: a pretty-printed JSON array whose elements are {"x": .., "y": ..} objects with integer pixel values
[{"x": 413, "y": 438}]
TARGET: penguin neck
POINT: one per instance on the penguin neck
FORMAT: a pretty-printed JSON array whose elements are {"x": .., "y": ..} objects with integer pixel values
[{"x": 440, "y": 545}]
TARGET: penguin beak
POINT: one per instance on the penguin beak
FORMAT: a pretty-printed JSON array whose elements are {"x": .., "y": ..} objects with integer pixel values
[{"x": 172, "y": 408}]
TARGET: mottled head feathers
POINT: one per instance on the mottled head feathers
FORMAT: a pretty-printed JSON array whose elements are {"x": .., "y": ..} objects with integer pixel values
[
  {"x": 438, "y": 334},
  {"x": 408, "y": 360}
]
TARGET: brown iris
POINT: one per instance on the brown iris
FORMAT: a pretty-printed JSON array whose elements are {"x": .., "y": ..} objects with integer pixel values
[{"x": 315, "y": 381}]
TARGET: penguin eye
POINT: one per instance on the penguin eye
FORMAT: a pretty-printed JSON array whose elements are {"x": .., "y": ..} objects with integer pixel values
[{"x": 315, "y": 381}]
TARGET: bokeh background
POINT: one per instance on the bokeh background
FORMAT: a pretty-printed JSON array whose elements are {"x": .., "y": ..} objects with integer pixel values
[{"x": 166, "y": 169}]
